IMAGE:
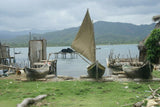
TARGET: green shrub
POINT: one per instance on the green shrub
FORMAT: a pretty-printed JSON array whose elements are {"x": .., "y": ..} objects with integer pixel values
[{"x": 153, "y": 47}]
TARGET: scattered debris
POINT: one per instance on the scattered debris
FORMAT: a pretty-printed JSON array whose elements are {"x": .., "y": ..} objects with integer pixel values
[
  {"x": 65, "y": 77},
  {"x": 152, "y": 101},
  {"x": 126, "y": 87}
]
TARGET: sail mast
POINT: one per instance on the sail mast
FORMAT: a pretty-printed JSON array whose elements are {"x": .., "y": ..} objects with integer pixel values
[
  {"x": 94, "y": 42},
  {"x": 84, "y": 43}
]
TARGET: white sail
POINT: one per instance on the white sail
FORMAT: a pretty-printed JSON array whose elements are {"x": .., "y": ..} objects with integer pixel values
[{"x": 84, "y": 43}]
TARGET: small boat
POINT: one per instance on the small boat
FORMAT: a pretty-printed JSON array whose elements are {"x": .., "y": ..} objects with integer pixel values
[
  {"x": 17, "y": 53},
  {"x": 37, "y": 73},
  {"x": 116, "y": 64},
  {"x": 143, "y": 72},
  {"x": 92, "y": 70},
  {"x": 84, "y": 44}
]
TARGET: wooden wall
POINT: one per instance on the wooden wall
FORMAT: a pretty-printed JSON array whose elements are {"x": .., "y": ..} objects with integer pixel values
[{"x": 37, "y": 51}]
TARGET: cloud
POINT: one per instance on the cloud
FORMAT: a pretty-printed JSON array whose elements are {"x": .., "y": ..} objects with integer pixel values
[{"x": 59, "y": 14}]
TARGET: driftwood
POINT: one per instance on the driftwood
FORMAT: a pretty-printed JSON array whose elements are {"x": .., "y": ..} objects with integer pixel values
[
  {"x": 154, "y": 94},
  {"x": 29, "y": 101},
  {"x": 152, "y": 100}
]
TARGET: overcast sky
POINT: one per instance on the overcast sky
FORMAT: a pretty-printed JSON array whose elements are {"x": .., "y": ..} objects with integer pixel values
[{"x": 17, "y": 15}]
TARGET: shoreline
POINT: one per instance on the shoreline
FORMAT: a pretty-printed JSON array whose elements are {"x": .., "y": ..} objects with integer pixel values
[
  {"x": 70, "y": 45},
  {"x": 52, "y": 78}
]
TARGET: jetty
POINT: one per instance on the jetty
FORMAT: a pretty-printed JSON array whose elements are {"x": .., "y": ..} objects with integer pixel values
[{"x": 65, "y": 52}]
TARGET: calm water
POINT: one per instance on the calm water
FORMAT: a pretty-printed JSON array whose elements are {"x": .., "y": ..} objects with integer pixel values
[{"x": 77, "y": 67}]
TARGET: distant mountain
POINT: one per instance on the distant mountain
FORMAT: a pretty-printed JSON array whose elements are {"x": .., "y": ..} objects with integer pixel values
[
  {"x": 115, "y": 32},
  {"x": 105, "y": 33},
  {"x": 7, "y": 35},
  {"x": 4, "y": 35}
]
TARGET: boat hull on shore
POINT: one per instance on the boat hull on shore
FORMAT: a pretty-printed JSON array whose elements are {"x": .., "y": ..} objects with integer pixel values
[
  {"x": 116, "y": 65},
  {"x": 37, "y": 73},
  {"x": 94, "y": 69},
  {"x": 143, "y": 72}
]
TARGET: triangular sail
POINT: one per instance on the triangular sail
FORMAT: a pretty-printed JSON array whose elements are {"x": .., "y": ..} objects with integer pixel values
[{"x": 84, "y": 42}]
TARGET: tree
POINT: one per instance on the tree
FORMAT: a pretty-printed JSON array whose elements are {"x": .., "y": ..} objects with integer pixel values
[{"x": 153, "y": 46}]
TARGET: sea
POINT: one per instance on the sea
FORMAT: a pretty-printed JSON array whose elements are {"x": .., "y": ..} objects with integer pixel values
[{"x": 76, "y": 67}]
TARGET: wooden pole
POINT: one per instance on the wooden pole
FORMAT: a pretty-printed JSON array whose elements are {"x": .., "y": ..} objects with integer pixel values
[
  {"x": 14, "y": 60},
  {"x": 84, "y": 59},
  {"x": 97, "y": 70},
  {"x": 30, "y": 36},
  {"x": 1, "y": 50},
  {"x": 55, "y": 66},
  {"x": 130, "y": 55}
]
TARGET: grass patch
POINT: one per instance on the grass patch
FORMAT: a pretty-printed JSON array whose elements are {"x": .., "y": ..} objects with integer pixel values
[
  {"x": 156, "y": 74},
  {"x": 75, "y": 93}
]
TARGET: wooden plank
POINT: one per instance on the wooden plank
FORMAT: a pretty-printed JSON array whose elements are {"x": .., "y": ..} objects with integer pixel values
[
  {"x": 119, "y": 72},
  {"x": 7, "y": 66}
]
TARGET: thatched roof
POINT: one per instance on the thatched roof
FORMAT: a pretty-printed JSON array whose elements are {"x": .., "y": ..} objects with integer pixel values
[
  {"x": 156, "y": 18},
  {"x": 157, "y": 26}
]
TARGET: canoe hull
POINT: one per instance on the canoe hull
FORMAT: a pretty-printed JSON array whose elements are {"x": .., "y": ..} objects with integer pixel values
[
  {"x": 92, "y": 70},
  {"x": 33, "y": 74},
  {"x": 144, "y": 72},
  {"x": 115, "y": 67}
]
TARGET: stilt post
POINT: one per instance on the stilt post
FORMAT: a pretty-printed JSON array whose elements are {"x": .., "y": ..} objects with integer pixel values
[{"x": 97, "y": 70}]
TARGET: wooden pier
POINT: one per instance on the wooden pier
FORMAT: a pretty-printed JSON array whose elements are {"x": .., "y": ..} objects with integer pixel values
[{"x": 64, "y": 55}]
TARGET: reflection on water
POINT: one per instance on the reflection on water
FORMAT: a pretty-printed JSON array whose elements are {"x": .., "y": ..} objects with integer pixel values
[{"x": 77, "y": 67}]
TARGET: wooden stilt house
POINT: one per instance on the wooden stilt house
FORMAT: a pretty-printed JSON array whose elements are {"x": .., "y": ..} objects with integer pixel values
[
  {"x": 37, "y": 51},
  {"x": 5, "y": 57},
  {"x": 141, "y": 47}
]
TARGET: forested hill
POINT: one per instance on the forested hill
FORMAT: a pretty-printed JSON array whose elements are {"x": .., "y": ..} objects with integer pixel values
[{"x": 105, "y": 33}]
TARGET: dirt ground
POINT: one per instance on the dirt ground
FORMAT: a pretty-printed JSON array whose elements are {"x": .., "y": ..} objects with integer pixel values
[
  {"x": 111, "y": 78},
  {"x": 13, "y": 76},
  {"x": 47, "y": 78}
]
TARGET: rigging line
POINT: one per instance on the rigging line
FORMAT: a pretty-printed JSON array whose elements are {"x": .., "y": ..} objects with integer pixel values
[{"x": 84, "y": 59}]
